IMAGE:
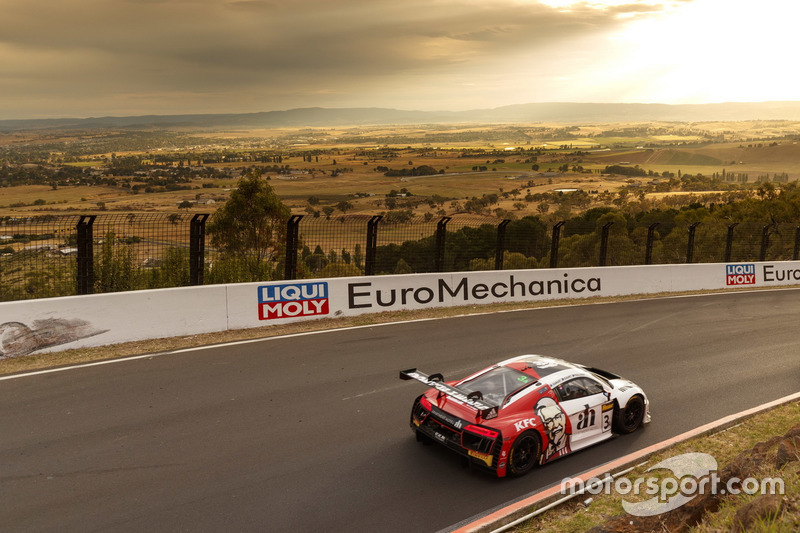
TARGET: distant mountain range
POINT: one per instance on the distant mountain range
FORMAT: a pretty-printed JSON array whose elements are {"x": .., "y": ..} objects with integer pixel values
[{"x": 563, "y": 112}]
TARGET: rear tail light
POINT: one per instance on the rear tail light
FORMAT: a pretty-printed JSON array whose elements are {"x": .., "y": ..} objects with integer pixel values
[
  {"x": 484, "y": 432},
  {"x": 425, "y": 403}
]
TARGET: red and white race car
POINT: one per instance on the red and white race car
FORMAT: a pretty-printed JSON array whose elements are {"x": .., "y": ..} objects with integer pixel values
[{"x": 525, "y": 411}]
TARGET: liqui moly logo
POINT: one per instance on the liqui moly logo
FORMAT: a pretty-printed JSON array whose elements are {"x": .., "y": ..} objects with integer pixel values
[
  {"x": 740, "y": 274},
  {"x": 292, "y": 300}
]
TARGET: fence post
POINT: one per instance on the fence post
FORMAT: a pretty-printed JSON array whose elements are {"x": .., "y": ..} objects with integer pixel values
[
  {"x": 648, "y": 248},
  {"x": 372, "y": 245},
  {"x": 292, "y": 238},
  {"x": 796, "y": 252},
  {"x": 501, "y": 241},
  {"x": 554, "y": 244},
  {"x": 762, "y": 256},
  {"x": 85, "y": 238},
  {"x": 729, "y": 242},
  {"x": 690, "y": 245},
  {"x": 197, "y": 248},
  {"x": 441, "y": 231},
  {"x": 604, "y": 243}
]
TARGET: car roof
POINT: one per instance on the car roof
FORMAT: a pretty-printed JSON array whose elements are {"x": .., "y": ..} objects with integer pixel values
[{"x": 547, "y": 370}]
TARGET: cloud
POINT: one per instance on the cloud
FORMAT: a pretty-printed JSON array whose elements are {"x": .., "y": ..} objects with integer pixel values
[
  {"x": 251, "y": 5},
  {"x": 234, "y": 51}
]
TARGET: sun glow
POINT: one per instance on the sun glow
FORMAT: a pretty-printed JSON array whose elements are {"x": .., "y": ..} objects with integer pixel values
[
  {"x": 599, "y": 4},
  {"x": 711, "y": 51}
]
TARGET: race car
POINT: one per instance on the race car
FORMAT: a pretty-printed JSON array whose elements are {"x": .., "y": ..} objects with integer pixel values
[{"x": 525, "y": 411}]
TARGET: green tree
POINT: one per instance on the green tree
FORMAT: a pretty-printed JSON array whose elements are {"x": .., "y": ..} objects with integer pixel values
[
  {"x": 402, "y": 267},
  {"x": 173, "y": 270},
  {"x": 344, "y": 206},
  {"x": 251, "y": 226},
  {"x": 115, "y": 267},
  {"x": 339, "y": 269},
  {"x": 358, "y": 256}
]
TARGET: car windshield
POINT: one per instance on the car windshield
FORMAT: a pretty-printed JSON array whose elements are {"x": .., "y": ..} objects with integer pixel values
[{"x": 497, "y": 383}]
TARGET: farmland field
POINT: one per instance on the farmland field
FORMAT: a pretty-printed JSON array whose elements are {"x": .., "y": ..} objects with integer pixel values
[{"x": 328, "y": 166}]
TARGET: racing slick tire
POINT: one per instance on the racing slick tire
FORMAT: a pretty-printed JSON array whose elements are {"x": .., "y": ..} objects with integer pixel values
[
  {"x": 524, "y": 454},
  {"x": 628, "y": 419}
]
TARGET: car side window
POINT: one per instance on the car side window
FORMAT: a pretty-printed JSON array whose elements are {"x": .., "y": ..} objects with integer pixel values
[
  {"x": 592, "y": 386},
  {"x": 571, "y": 390}
]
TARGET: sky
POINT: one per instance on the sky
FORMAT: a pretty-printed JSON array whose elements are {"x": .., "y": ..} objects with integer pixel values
[{"x": 92, "y": 58}]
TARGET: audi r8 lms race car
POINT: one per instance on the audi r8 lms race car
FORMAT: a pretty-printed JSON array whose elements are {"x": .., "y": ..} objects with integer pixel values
[{"x": 525, "y": 411}]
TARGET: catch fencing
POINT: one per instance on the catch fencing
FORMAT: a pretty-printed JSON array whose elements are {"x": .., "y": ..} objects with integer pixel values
[{"x": 61, "y": 255}]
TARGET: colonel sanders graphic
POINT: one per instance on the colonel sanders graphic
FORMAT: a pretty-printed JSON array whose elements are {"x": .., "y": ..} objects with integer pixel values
[{"x": 555, "y": 425}]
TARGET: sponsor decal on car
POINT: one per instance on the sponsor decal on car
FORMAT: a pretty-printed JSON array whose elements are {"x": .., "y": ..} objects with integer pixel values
[
  {"x": 555, "y": 423},
  {"x": 445, "y": 417},
  {"x": 485, "y": 457},
  {"x": 744, "y": 274},
  {"x": 292, "y": 300},
  {"x": 525, "y": 424}
]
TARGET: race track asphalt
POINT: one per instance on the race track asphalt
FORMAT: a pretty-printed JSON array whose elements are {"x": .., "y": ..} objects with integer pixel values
[{"x": 310, "y": 433}]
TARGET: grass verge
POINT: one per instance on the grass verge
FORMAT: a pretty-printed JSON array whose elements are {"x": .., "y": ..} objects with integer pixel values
[{"x": 727, "y": 447}]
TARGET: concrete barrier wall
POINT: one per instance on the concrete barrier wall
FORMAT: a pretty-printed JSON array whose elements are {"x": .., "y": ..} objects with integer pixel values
[
  {"x": 50, "y": 324},
  {"x": 60, "y": 323}
]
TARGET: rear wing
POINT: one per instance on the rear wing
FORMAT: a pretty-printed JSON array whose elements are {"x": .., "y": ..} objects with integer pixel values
[{"x": 486, "y": 411}]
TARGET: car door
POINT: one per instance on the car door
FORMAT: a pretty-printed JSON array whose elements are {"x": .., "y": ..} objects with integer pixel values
[{"x": 587, "y": 406}]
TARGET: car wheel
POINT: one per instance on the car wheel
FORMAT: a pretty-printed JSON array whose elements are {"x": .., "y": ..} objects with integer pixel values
[
  {"x": 524, "y": 454},
  {"x": 629, "y": 419}
]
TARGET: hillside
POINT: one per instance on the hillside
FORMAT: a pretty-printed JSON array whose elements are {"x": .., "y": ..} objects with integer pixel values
[{"x": 522, "y": 113}]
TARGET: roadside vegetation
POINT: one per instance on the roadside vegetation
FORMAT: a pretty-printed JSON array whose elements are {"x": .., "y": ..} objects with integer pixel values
[{"x": 762, "y": 447}]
